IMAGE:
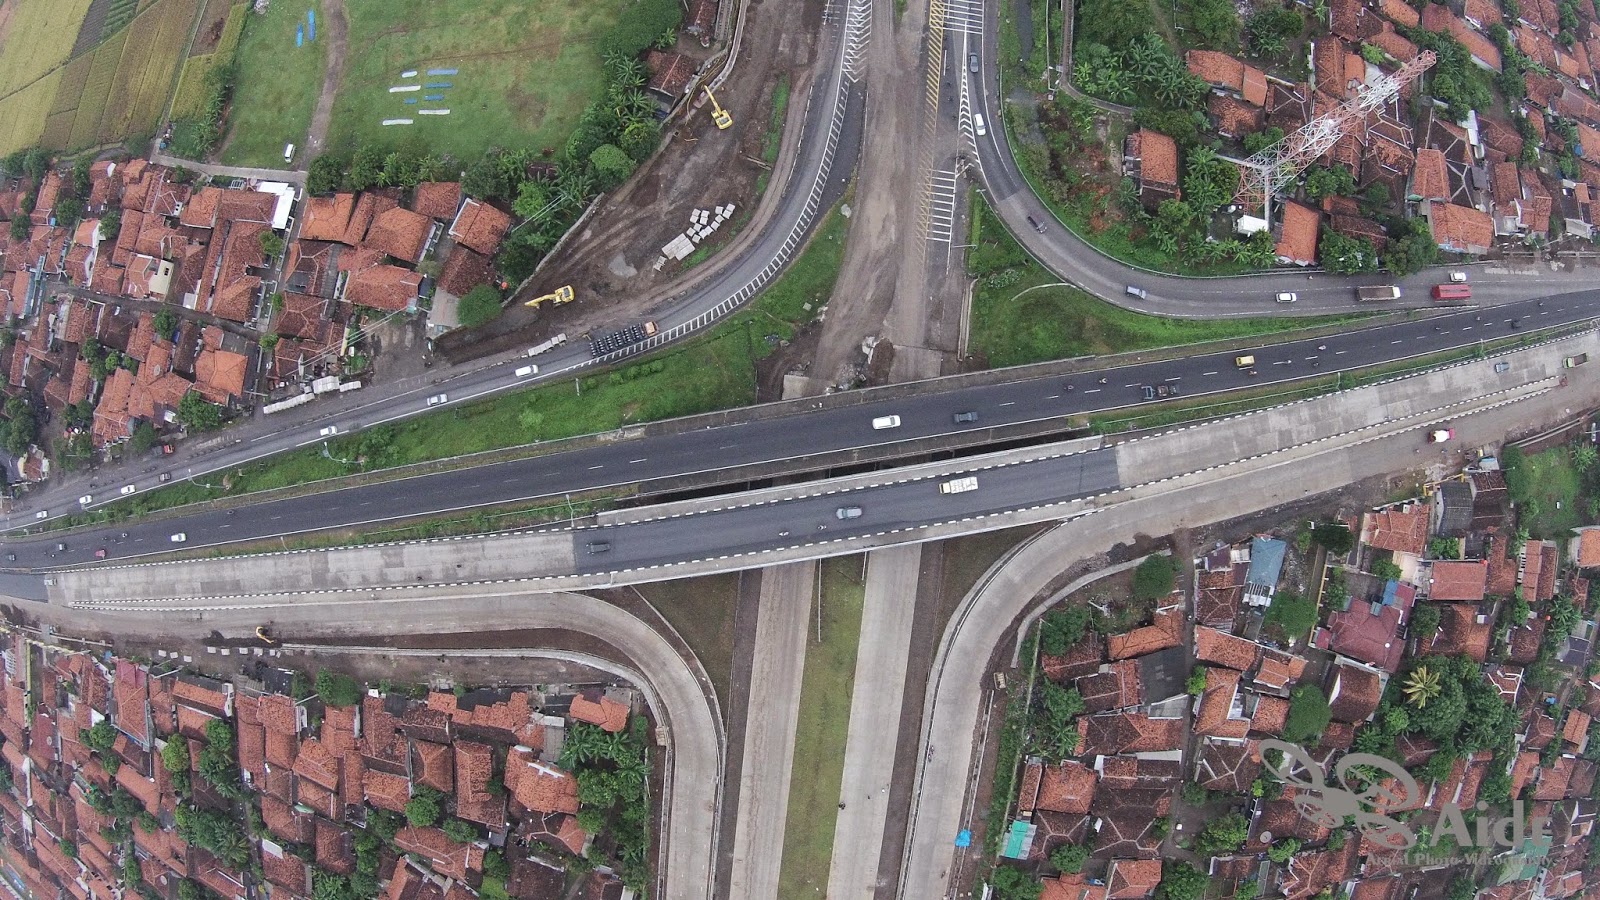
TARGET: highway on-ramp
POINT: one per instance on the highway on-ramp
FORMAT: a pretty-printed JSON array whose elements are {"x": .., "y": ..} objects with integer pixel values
[{"x": 663, "y": 457}]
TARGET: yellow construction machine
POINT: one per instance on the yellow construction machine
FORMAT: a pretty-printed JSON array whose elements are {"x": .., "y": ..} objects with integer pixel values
[
  {"x": 719, "y": 115},
  {"x": 562, "y": 295}
]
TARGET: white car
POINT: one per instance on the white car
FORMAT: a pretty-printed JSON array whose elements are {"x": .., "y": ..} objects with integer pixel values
[
  {"x": 525, "y": 371},
  {"x": 959, "y": 485},
  {"x": 330, "y": 431},
  {"x": 1458, "y": 278},
  {"x": 1288, "y": 297},
  {"x": 179, "y": 538},
  {"x": 883, "y": 422},
  {"x": 437, "y": 399},
  {"x": 42, "y": 514},
  {"x": 86, "y": 499},
  {"x": 127, "y": 489}
]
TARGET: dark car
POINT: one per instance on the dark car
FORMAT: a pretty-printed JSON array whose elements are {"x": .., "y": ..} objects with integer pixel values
[
  {"x": 972, "y": 63},
  {"x": 599, "y": 546},
  {"x": 966, "y": 418}
]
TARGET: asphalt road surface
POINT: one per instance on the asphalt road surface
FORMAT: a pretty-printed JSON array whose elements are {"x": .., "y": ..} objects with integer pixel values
[
  {"x": 821, "y": 518},
  {"x": 791, "y": 437}
]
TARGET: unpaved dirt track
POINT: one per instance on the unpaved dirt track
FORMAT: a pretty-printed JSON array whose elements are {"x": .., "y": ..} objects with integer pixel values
[
  {"x": 882, "y": 287},
  {"x": 338, "y": 47},
  {"x": 610, "y": 261}
]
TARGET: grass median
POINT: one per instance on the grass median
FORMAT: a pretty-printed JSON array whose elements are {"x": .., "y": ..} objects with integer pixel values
[
  {"x": 1021, "y": 314},
  {"x": 710, "y": 373},
  {"x": 824, "y": 726}
]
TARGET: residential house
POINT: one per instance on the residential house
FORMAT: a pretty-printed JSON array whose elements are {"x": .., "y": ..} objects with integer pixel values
[{"x": 1151, "y": 159}]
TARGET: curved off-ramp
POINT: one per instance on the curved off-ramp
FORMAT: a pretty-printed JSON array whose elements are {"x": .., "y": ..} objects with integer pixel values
[{"x": 678, "y": 692}]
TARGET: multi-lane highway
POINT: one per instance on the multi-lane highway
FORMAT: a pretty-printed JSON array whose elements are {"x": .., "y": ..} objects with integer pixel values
[{"x": 760, "y": 440}]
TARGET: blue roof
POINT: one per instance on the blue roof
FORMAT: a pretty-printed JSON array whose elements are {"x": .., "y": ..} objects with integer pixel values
[{"x": 1266, "y": 562}]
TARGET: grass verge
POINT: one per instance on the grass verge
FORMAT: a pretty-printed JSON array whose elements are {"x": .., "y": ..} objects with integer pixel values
[
  {"x": 780, "y": 106},
  {"x": 824, "y": 725},
  {"x": 1555, "y": 485},
  {"x": 277, "y": 85},
  {"x": 714, "y": 372},
  {"x": 1021, "y": 314},
  {"x": 701, "y": 609}
]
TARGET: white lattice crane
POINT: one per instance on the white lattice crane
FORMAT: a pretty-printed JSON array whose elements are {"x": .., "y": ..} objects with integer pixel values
[{"x": 1270, "y": 171}]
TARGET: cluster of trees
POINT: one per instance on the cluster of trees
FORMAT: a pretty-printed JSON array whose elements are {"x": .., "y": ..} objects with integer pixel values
[
  {"x": 425, "y": 808},
  {"x": 20, "y": 429},
  {"x": 1455, "y": 79},
  {"x": 1308, "y": 714},
  {"x": 1215, "y": 22},
  {"x": 1223, "y": 835},
  {"x": 481, "y": 304},
  {"x": 216, "y": 762},
  {"x": 197, "y": 414},
  {"x": 196, "y": 137},
  {"x": 371, "y": 166},
  {"x": 1271, "y": 27},
  {"x": 31, "y": 164},
  {"x": 217, "y": 832},
  {"x": 1145, "y": 73},
  {"x": 613, "y": 771},
  {"x": 1292, "y": 612},
  {"x": 1155, "y": 577},
  {"x": 1411, "y": 247},
  {"x": 337, "y": 689},
  {"x": 1061, "y": 629},
  {"x": 1052, "y": 731}
]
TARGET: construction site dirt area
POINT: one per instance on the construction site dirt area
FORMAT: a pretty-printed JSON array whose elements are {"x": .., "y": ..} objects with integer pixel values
[{"x": 611, "y": 260}]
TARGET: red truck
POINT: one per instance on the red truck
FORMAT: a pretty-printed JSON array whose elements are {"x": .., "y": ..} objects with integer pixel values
[{"x": 1452, "y": 292}]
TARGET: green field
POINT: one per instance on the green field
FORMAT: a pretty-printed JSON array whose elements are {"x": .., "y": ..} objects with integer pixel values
[
  {"x": 526, "y": 71},
  {"x": 148, "y": 69},
  {"x": 823, "y": 730},
  {"x": 277, "y": 85}
]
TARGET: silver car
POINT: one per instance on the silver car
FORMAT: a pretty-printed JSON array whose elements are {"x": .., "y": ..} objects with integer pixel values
[{"x": 848, "y": 512}]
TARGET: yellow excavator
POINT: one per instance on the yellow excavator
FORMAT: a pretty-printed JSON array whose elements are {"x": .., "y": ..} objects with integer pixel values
[
  {"x": 719, "y": 115},
  {"x": 562, "y": 295},
  {"x": 265, "y": 635}
]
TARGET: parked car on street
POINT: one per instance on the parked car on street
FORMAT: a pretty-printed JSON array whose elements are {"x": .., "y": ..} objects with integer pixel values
[{"x": 127, "y": 489}]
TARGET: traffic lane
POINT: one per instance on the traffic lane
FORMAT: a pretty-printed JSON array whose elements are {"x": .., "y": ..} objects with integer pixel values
[
  {"x": 768, "y": 440},
  {"x": 808, "y": 520}
]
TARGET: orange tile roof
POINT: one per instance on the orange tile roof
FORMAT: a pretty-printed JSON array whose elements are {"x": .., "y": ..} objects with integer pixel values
[
  {"x": 1165, "y": 631},
  {"x": 437, "y": 199},
  {"x": 1356, "y": 692},
  {"x": 464, "y": 270},
  {"x": 1459, "y": 579},
  {"x": 474, "y": 768},
  {"x": 1462, "y": 229},
  {"x": 1212, "y": 716},
  {"x": 386, "y": 791},
  {"x": 1400, "y": 12},
  {"x": 1298, "y": 243},
  {"x": 1589, "y": 547},
  {"x": 447, "y": 857},
  {"x": 1271, "y": 714},
  {"x": 316, "y": 763},
  {"x": 220, "y": 374},
  {"x": 326, "y": 218},
  {"x": 201, "y": 210},
  {"x": 607, "y": 713},
  {"x": 434, "y": 766},
  {"x": 1430, "y": 179},
  {"x": 540, "y": 786},
  {"x": 366, "y": 209},
  {"x": 1401, "y": 530},
  {"x": 1213, "y": 646},
  {"x": 480, "y": 227},
  {"x": 1133, "y": 878},
  {"x": 1460, "y": 632},
  {"x": 388, "y": 288},
  {"x": 400, "y": 233},
  {"x": 1158, "y": 156}
]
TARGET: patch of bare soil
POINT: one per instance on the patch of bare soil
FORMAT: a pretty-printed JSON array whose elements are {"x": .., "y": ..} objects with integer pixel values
[{"x": 611, "y": 261}]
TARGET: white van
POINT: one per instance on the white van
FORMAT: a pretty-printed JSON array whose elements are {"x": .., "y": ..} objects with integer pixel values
[
  {"x": 288, "y": 153},
  {"x": 959, "y": 485},
  {"x": 883, "y": 422},
  {"x": 525, "y": 371},
  {"x": 978, "y": 126}
]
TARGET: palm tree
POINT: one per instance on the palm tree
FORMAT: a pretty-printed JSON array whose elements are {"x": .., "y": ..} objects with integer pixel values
[{"x": 1422, "y": 685}]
